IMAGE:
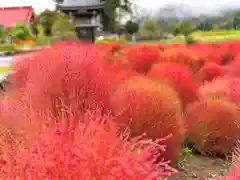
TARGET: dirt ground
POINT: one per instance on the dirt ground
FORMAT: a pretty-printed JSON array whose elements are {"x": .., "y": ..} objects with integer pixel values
[{"x": 196, "y": 167}]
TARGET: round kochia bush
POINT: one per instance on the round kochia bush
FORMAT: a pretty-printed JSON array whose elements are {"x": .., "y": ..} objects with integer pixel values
[
  {"x": 216, "y": 89},
  {"x": 141, "y": 57},
  {"x": 213, "y": 126},
  {"x": 182, "y": 55},
  {"x": 150, "y": 107},
  {"x": 181, "y": 79},
  {"x": 210, "y": 71},
  {"x": 92, "y": 150},
  {"x": 67, "y": 75}
]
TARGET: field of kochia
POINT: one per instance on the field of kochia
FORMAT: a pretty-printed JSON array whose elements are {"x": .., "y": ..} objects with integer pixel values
[{"x": 78, "y": 111}]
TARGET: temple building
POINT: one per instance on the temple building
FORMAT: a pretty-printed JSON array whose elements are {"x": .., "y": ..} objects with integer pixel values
[{"x": 86, "y": 15}]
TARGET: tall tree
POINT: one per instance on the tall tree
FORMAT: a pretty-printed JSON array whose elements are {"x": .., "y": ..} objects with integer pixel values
[
  {"x": 110, "y": 13},
  {"x": 151, "y": 28}
]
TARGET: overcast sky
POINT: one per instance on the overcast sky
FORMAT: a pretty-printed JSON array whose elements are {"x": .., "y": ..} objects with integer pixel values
[{"x": 40, "y": 5}]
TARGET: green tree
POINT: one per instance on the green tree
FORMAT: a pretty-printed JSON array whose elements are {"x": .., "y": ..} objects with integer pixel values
[
  {"x": 110, "y": 14},
  {"x": 46, "y": 19},
  {"x": 151, "y": 28},
  {"x": 131, "y": 27},
  {"x": 185, "y": 29},
  {"x": 236, "y": 20},
  {"x": 62, "y": 25}
]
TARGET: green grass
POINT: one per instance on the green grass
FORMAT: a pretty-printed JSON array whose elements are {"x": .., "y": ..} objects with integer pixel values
[
  {"x": 216, "y": 36},
  {"x": 204, "y": 37}
]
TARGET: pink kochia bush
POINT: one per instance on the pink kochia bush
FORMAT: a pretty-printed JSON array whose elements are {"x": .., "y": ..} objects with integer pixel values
[
  {"x": 95, "y": 149},
  {"x": 179, "y": 76},
  {"x": 67, "y": 76},
  {"x": 150, "y": 107}
]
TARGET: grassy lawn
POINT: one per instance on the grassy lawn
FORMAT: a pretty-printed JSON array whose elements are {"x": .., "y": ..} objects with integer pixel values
[
  {"x": 216, "y": 36},
  {"x": 204, "y": 37}
]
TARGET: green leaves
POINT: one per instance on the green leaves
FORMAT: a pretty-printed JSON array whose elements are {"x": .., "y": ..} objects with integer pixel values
[
  {"x": 131, "y": 27},
  {"x": 183, "y": 28}
]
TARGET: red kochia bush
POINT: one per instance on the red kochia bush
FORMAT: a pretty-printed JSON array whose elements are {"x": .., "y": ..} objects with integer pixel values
[
  {"x": 141, "y": 57},
  {"x": 210, "y": 71},
  {"x": 150, "y": 107},
  {"x": 92, "y": 150},
  {"x": 180, "y": 77},
  {"x": 67, "y": 75},
  {"x": 20, "y": 68},
  {"x": 182, "y": 55},
  {"x": 213, "y": 126},
  {"x": 235, "y": 66}
]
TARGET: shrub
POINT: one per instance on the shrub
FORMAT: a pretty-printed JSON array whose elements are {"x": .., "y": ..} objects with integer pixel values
[
  {"x": 216, "y": 89},
  {"x": 150, "y": 107},
  {"x": 227, "y": 88},
  {"x": 20, "y": 67},
  {"x": 119, "y": 74},
  {"x": 180, "y": 77},
  {"x": 185, "y": 56},
  {"x": 234, "y": 66},
  {"x": 20, "y": 32},
  {"x": 213, "y": 126},
  {"x": 234, "y": 89},
  {"x": 141, "y": 57},
  {"x": 67, "y": 75},
  {"x": 210, "y": 71},
  {"x": 92, "y": 150}
]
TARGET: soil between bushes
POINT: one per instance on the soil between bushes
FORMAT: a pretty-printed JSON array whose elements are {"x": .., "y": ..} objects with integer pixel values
[{"x": 196, "y": 167}]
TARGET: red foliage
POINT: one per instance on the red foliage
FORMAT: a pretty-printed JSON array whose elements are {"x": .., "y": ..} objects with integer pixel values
[
  {"x": 67, "y": 76},
  {"x": 180, "y": 77},
  {"x": 153, "y": 108},
  {"x": 210, "y": 71},
  {"x": 20, "y": 68},
  {"x": 218, "y": 88},
  {"x": 92, "y": 150},
  {"x": 235, "y": 66},
  {"x": 234, "y": 89},
  {"x": 182, "y": 55},
  {"x": 119, "y": 74},
  {"x": 141, "y": 57},
  {"x": 213, "y": 126}
]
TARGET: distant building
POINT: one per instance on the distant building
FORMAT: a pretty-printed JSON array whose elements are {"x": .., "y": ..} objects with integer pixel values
[
  {"x": 86, "y": 15},
  {"x": 10, "y": 16}
]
